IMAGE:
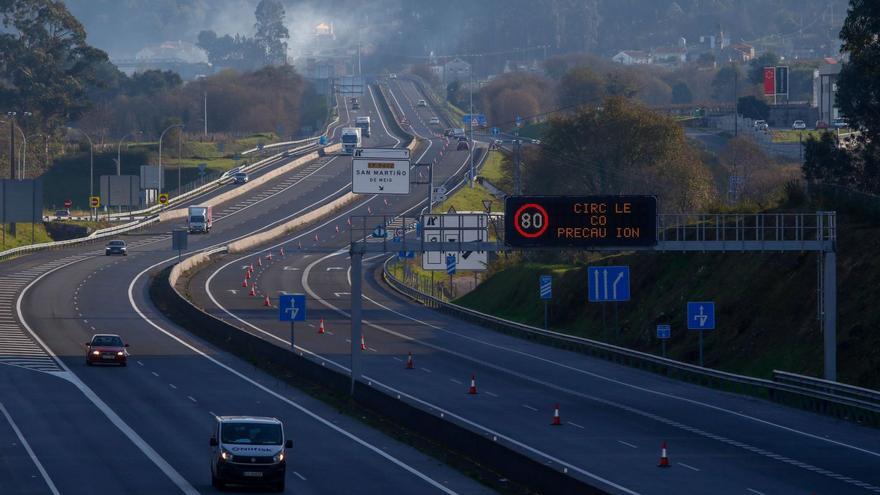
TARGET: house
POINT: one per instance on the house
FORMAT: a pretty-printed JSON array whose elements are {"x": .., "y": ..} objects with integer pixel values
[
  {"x": 632, "y": 57},
  {"x": 673, "y": 55},
  {"x": 456, "y": 70},
  {"x": 742, "y": 52},
  {"x": 825, "y": 91}
]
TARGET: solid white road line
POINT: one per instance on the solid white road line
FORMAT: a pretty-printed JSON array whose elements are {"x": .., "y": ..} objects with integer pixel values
[
  {"x": 575, "y": 425},
  {"x": 27, "y": 447},
  {"x": 102, "y": 406},
  {"x": 278, "y": 396}
]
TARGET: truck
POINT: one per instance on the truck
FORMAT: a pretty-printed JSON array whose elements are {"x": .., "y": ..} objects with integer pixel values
[
  {"x": 363, "y": 123},
  {"x": 200, "y": 219},
  {"x": 351, "y": 139}
]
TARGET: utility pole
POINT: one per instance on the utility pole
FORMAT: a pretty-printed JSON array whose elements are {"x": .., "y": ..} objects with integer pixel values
[
  {"x": 11, "y": 145},
  {"x": 205, "y": 93},
  {"x": 735, "y": 102}
]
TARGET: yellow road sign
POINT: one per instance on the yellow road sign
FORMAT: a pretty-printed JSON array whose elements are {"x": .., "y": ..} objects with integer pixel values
[
  {"x": 95, "y": 201},
  {"x": 163, "y": 198}
]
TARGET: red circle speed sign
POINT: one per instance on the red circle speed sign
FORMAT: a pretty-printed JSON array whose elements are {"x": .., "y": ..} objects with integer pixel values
[{"x": 531, "y": 220}]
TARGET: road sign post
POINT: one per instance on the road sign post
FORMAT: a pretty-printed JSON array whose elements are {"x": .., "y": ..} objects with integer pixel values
[
  {"x": 546, "y": 290},
  {"x": 664, "y": 332},
  {"x": 701, "y": 316},
  {"x": 292, "y": 308}
]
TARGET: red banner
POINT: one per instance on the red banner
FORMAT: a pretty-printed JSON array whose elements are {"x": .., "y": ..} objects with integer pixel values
[{"x": 769, "y": 81}]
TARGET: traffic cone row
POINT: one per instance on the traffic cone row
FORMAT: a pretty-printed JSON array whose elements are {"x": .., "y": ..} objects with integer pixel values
[
  {"x": 282, "y": 252},
  {"x": 247, "y": 275},
  {"x": 363, "y": 343},
  {"x": 260, "y": 262},
  {"x": 253, "y": 291},
  {"x": 266, "y": 302},
  {"x": 244, "y": 283},
  {"x": 321, "y": 326},
  {"x": 269, "y": 257}
]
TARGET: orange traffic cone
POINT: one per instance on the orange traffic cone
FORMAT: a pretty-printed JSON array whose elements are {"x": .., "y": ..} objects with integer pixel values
[
  {"x": 266, "y": 301},
  {"x": 259, "y": 261},
  {"x": 251, "y": 268},
  {"x": 409, "y": 362},
  {"x": 321, "y": 326},
  {"x": 664, "y": 459},
  {"x": 363, "y": 343},
  {"x": 269, "y": 257},
  {"x": 253, "y": 291},
  {"x": 557, "y": 421},
  {"x": 473, "y": 388},
  {"x": 244, "y": 283},
  {"x": 247, "y": 275},
  {"x": 282, "y": 252}
]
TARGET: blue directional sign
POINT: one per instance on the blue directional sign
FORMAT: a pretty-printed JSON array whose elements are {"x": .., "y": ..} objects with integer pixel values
[
  {"x": 380, "y": 232},
  {"x": 406, "y": 254},
  {"x": 450, "y": 264},
  {"x": 518, "y": 121},
  {"x": 322, "y": 140},
  {"x": 496, "y": 131},
  {"x": 608, "y": 283},
  {"x": 701, "y": 315},
  {"x": 664, "y": 332},
  {"x": 292, "y": 307},
  {"x": 546, "y": 285},
  {"x": 479, "y": 119}
]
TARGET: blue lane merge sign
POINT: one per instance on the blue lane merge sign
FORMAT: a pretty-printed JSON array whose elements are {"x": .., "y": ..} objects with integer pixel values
[
  {"x": 292, "y": 307},
  {"x": 450, "y": 264},
  {"x": 664, "y": 332},
  {"x": 406, "y": 254},
  {"x": 701, "y": 315},
  {"x": 546, "y": 286},
  {"x": 608, "y": 283}
]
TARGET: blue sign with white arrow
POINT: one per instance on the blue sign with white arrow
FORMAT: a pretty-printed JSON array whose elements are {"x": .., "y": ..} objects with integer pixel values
[
  {"x": 496, "y": 131},
  {"x": 546, "y": 286},
  {"x": 701, "y": 315},
  {"x": 608, "y": 283},
  {"x": 664, "y": 332},
  {"x": 450, "y": 264},
  {"x": 406, "y": 254},
  {"x": 292, "y": 307},
  {"x": 380, "y": 232}
]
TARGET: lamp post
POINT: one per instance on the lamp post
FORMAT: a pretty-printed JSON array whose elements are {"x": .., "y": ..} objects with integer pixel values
[
  {"x": 161, "y": 171},
  {"x": 119, "y": 151}
]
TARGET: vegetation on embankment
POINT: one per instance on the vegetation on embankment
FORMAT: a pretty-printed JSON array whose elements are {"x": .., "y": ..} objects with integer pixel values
[{"x": 766, "y": 304}]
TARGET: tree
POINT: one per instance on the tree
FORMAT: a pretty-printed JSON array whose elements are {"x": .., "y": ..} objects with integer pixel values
[
  {"x": 46, "y": 66},
  {"x": 681, "y": 93},
  {"x": 271, "y": 31},
  {"x": 240, "y": 52},
  {"x": 706, "y": 59},
  {"x": 724, "y": 83},
  {"x": 756, "y": 66},
  {"x": 580, "y": 86},
  {"x": 151, "y": 82},
  {"x": 753, "y": 108},
  {"x": 858, "y": 86},
  {"x": 826, "y": 163},
  {"x": 621, "y": 83}
]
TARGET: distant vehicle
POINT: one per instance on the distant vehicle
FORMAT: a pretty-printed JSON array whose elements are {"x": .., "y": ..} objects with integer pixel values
[
  {"x": 799, "y": 124},
  {"x": 116, "y": 247},
  {"x": 248, "y": 450},
  {"x": 363, "y": 123},
  {"x": 456, "y": 132},
  {"x": 351, "y": 139},
  {"x": 355, "y": 104},
  {"x": 240, "y": 178},
  {"x": 230, "y": 173},
  {"x": 106, "y": 348},
  {"x": 463, "y": 146},
  {"x": 536, "y": 141},
  {"x": 392, "y": 76},
  {"x": 200, "y": 218},
  {"x": 821, "y": 124},
  {"x": 422, "y": 103},
  {"x": 62, "y": 214},
  {"x": 839, "y": 123},
  {"x": 760, "y": 125},
  {"x": 434, "y": 121},
  {"x": 498, "y": 142}
]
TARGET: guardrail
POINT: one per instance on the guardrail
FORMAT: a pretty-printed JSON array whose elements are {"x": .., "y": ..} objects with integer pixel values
[
  {"x": 836, "y": 389},
  {"x": 848, "y": 408}
]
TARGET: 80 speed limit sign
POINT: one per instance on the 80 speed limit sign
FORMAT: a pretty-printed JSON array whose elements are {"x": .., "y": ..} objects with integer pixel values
[{"x": 531, "y": 220}]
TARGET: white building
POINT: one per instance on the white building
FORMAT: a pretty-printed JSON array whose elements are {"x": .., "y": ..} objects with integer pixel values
[
  {"x": 632, "y": 57},
  {"x": 456, "y": 70}
]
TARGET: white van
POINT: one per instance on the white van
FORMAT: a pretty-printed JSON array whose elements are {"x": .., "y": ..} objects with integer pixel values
[{"x": 248, "y": 450}]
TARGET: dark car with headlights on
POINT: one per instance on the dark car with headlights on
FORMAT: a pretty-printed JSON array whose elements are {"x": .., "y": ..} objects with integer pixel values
[
  {"x": 116, "y": 247},
  {"x": 248, "y": 450},
  {"x": 106, "y": 348}
]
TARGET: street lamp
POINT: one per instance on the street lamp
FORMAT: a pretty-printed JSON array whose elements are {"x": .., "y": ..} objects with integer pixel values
[
  {"x": 119, "y": 151},
  {"x": 161, "y": 171},
  {"x": 91, "y": 165},
  {"x": 12, "y": 116}
]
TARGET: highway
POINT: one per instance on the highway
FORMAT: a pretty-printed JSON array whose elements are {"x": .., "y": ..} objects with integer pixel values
[
  {"x": 67, "y": 428},
  {"x": 615, "y": 418}
]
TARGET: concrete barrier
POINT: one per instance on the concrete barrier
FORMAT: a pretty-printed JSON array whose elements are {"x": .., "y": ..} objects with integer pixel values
[{"x": 480, "y": 448}]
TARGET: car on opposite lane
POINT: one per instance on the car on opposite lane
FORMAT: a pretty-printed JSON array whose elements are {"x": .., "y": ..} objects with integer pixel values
[
  {"x": 106, "y": 348},
  {"x": 821, "y": 124},
  {"x": 434, "y": 121},
  {"x": 116, "y": 247}
]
